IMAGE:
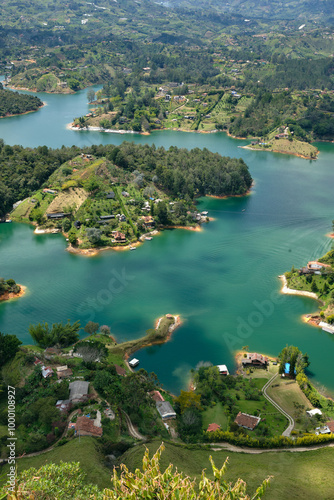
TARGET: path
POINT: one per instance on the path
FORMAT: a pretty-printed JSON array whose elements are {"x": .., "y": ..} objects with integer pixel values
[
  {"x": 133, "y": 432},
  {"x": 257, "y": 451},
  {"x": 291, "y": 425}
]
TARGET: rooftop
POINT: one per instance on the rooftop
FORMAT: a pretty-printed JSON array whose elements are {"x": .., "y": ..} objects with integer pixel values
[{"x": 247, "y": 421}]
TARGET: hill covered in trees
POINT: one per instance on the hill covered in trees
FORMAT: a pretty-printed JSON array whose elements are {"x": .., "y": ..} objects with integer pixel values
[{"x": 13, "y": 103}]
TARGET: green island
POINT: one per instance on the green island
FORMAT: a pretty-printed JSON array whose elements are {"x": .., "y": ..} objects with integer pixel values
[
  {"x": 9, "y": 289},
  {"x": 13, "y": 103},
  {"x": 115, "y": 197}
]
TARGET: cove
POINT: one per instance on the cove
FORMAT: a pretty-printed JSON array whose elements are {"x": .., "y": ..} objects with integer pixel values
[{"x": 222, "y": 281}]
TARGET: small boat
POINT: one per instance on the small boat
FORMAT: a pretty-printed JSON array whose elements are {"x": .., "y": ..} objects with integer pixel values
[
  {"x": 132, "y": 248},
  {"x": 148, "y": 238}
]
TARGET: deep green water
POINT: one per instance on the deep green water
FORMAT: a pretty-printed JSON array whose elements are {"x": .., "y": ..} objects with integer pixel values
[{"x": 223, "y": 281}]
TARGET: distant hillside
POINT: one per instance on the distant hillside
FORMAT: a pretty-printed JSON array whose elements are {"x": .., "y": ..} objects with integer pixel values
[{"x": 268, "y": 9}]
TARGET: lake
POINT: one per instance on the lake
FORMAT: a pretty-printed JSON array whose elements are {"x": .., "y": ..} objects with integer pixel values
[{"x": 222, "y": 281}]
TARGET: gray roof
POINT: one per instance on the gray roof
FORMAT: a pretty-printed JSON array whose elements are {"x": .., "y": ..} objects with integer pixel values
[
  {"x": 165, "y": 409},
  {"x": 77, "y": 389}
]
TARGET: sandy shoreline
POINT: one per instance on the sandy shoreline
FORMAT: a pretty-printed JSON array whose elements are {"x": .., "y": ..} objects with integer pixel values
[
  {"x": 11, "y": 296},
  {"x": 92, "y": 252},
  {"x": 289, "y": 291}
]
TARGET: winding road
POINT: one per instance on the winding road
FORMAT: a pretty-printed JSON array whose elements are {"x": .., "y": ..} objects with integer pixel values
[
  {"x": 291, "y": 425},
  {"x": 132, "y": 431}
]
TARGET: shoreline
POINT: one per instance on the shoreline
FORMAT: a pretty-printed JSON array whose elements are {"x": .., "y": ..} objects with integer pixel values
[
  {"x": 11, "y": 295},
  {"x": 25, "y": 112},
  {"x": 281, "y": 152},
  {"x": 92, "y": 252},
  {"x": 289, "y": 291}
]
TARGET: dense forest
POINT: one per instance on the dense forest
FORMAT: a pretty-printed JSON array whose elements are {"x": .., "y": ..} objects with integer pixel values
[
  {"x": 13, "y": 103},
  {"x": 177, "y": 171},
  {"x": 308, "y": 116}
]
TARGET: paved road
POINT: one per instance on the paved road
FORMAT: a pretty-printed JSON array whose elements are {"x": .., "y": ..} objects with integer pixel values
[
  {"x": 133, "y": 432},
  {"x": 291, "y": 425}
]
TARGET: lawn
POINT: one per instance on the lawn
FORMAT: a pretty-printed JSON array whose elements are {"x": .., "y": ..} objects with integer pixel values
[
  {"x": 215, "y": 415},
  {"x": 296, "y": 475},
  {"x": 84, "y": 451}
]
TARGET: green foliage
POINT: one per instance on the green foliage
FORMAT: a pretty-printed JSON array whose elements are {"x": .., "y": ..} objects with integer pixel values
[
  {"x": 51, "y": 481},
  {"x": 58, "y": 334},
  {"x": 13, "y": 103},
  {"x": 91, "y": 327},
  {"x": 298, "y": 361},
  {"x": 9, "y": 346},
  {"x": 172, "y": 485}
]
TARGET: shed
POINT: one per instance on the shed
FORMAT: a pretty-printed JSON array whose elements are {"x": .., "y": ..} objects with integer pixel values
[{"x": 165, "y": 409}]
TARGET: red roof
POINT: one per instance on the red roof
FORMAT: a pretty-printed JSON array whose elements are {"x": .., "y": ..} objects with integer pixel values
[
  {"x": 213, "y": 427},
  {"x": 157, "y": 396},
  {"x": 120, "y": 370},
  {"x": 330, "y": 425},
  {"x": 86, "y": 426},
  {"x": 247, "y": 421}
]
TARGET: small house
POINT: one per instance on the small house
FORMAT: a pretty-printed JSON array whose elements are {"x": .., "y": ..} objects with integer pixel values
[
  {"x": 110, "y": 195},
  {"x": 247, "y": 421},
  {"x": 148, "y": 221},
  {"x": 223, "y": 370},
  {"x": 213, "y": 428},
  {"x": 47, "y": 371},
  {"x": 134, "y": 362},
  {"x": 255, "y": 359},
  {"x": 165, "y": 410},
  {"x": 157, "y": 396},
  {"x": 85, "y": 426},
  {"x": 62, "y": 374},
  {"x": 64, "y": 405},
  {"x": 118, "y": 236},
  {"x": 120, "y": 371}
]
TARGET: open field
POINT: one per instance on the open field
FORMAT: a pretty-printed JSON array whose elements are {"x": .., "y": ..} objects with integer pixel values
[
  {"x": 84, "y": 451},
  {"x": 296, "y": 475},
  {"x": 215, "y": 415},
  {"x": 72, "y": 197}
]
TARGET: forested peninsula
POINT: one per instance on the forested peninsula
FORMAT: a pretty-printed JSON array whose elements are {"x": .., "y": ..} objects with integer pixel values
[
  {"x": 13, "y": 103},
  {"x": 112, "y": 196}
]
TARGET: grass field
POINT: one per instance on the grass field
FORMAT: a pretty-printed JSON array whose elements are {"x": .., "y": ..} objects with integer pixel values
[
  {"x": 296, "y": 475},
  {"x": 84, "y": 451},
  {"x": 215, "y": 415}
]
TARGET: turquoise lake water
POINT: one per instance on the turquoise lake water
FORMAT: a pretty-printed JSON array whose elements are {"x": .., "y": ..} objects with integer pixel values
[{"x": 223, "y": 280}]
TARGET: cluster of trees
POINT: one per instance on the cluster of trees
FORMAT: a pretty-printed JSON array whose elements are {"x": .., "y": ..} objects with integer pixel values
[
  {"x": 24, "y": 170},
  {"x": 185, "y": 173},
  {"x": 9, "y": 346},
  {"x": 297, "y": 360},
  {"x": 8, "y": 286},
  {"x": 131, "y": 393},
  {"x": 58, "y": 334},
  {"x": 13, "y": 103}
]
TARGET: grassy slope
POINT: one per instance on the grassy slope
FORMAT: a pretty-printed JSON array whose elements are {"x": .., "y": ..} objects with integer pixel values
[
  {"x": 296, "y": 475},
  {"x": 83, "y": 451}
]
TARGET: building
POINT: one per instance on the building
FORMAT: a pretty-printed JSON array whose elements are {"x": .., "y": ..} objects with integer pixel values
[
  {"x": 86, "y": 427},
  {"x": 47, "y": 371},
  {"x": 157, "y": 396},
  {"x": 247, "y": 421},
  {"x": 78, "y": 390},
  {"x": 148, "y": 221},
  {"x": 57, "y": 215},
  {"x": 63, "y": 372},
  {"x": 330, "y": 426},
  {"x": 120, "y": 371},
  {"x": 223, "y": 370},
  {"x": 213, "y": 428},
  {"x": 64, "y": 405},
  {"x": 110, "y": 195},
  {"x": 255, "y": 359},
  {"x": 118, "y": 236},
  {"x": 165, "y": 409},
  {"x": 107, "y": 217},
  {"x": 134, "y": 362}
]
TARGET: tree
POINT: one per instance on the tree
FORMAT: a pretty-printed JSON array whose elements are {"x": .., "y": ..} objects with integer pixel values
[
  {"x": 9, "y": 345},
  {"x": 91, "y": 95},
  {"x": 91, "y": 327},
  {"x": 94, "y": 235},
  {"x": 161, "y": 212},
  {"x": 72, "y": 237},
  {"x": 173, "y": 485},
  {"x": 58, "y": 334},
  {"x": 66, "y": 225},
  {"x": 314, "y": 287},
  {"x": 105, "y": 330},
  {"x": 188, "y": 399}
]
